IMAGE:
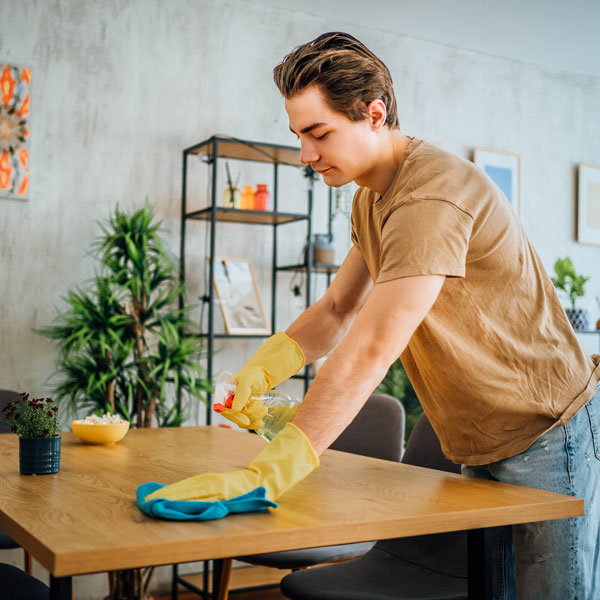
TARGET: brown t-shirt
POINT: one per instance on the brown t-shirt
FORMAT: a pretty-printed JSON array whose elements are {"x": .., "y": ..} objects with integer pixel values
[{"x": 495, "y": 363}]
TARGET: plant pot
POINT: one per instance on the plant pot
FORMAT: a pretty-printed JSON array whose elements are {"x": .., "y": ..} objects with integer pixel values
[
  {"x": 579, "y": 318},
  {"x": 39, "y": 456}
]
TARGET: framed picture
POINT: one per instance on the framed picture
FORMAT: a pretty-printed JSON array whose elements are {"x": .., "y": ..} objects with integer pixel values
[
  {"x": 504, "y": 169},
  {"x": 237, "y": 292},
  {"x": 15, "y": 125},
  {"x": 588, "y": 205}
]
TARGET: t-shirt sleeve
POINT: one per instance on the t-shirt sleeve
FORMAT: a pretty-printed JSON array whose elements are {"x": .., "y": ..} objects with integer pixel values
[{"x": 425, "y": 237}]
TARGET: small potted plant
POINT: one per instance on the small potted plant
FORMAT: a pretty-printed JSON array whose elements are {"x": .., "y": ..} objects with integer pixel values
[
  {"x": 573, "y": 285},
  {"x": 35, "y": 421}
]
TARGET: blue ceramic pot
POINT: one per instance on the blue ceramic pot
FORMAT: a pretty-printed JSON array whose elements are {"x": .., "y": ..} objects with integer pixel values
[
  {"x": 579, "y": 318},
  {"x": 39, "y": 456}
]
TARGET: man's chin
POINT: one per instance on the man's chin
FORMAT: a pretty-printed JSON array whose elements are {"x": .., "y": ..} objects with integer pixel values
[{"x": 335, "y": 179}]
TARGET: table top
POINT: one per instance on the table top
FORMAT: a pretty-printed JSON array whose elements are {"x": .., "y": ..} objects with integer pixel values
[{"x": 84, "y": 519}]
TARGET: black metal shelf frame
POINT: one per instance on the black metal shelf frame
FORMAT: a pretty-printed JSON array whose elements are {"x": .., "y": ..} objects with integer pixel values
[
  {"x": 227, "y": 147},
  {"x": 222, "y": 147}
]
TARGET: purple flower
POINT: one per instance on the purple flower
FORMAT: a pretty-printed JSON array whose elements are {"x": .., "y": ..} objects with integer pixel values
[{"x": 36, "y": 416}]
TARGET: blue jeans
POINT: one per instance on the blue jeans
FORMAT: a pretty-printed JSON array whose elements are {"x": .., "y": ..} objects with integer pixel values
[{"x": 560, "y": 559}]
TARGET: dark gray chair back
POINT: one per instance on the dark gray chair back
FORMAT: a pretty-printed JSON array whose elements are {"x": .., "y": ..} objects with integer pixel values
[
  {"x": 377, "y": 430},
  {"x": 18, "y": 585},
  {"x": 423, "y": 449},
  {"x": 6, "y": 396}
]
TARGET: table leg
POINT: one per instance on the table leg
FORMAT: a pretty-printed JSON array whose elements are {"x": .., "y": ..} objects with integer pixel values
[
  {"x": 61, "y": 588},
  {"x": 175, "y": 583},
  {"x": 480, "y": 558},
  {"x": 217, "y": 570}
]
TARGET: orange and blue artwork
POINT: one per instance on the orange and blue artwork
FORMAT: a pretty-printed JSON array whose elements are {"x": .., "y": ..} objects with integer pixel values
[{"x": 15, "y": 82}]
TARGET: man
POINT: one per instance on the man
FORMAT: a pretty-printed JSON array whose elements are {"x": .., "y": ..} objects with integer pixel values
[{"x": 442, "y": 274}]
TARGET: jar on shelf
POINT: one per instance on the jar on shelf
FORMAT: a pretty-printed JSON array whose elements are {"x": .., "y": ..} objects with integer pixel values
[
  {"x": 247, "y": 198},
  {"x": 231, "y": 197},
  {"x": 323, "y": 248},
  {"x": 261, "y": 197}
]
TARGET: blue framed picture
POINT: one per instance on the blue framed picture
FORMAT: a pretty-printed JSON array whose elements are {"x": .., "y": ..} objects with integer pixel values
[{"x": 504, "y": 170}]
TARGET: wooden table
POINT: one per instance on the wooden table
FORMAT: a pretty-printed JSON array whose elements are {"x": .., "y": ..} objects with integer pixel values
[{"x": 84, "y": 519}]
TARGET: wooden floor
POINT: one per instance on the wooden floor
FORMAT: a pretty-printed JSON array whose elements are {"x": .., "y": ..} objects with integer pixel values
[
  {"x": 244, "y": 577},
  {"x": 259, "y": 595}
]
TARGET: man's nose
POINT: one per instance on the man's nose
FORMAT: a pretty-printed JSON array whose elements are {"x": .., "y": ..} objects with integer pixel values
[{"x": 308, "y": 154}]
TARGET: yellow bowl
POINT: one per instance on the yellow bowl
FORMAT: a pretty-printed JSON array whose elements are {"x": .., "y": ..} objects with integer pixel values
[{"x": 100, "y": 434}]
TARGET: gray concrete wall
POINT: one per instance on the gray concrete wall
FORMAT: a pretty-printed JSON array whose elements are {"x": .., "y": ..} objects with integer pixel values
[{"x": 120, "y": 88}]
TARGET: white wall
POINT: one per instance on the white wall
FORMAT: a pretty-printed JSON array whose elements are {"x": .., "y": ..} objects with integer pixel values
[
  {"x": 120, "y": 88},
  {"x": 550, "y": 33}
]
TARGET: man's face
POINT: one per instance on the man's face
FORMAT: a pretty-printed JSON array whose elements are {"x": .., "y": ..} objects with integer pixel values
[{"x": 331, "y": 143}]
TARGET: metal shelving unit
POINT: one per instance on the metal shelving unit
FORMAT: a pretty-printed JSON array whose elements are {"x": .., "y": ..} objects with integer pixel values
[{"x": 213, "y": 150}]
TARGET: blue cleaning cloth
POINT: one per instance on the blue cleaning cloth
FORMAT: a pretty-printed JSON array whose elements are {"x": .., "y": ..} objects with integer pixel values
[{"x": 197, "y": 510}]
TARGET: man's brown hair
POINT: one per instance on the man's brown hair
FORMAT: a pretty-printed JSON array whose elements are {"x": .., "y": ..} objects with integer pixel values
[{"x": 348, "y": 74}]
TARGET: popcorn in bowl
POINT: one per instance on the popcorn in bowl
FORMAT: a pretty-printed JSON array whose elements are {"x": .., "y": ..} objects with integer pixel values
[
  {"x": 105, "y": 419},
  {"x": 106, "y": 429}
]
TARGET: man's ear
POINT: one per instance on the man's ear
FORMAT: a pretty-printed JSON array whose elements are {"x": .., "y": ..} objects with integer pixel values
[{"x": 377, "y": 113}]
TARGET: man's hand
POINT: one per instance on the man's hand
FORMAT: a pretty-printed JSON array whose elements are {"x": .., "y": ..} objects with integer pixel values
[
  {"x": 276, "y": 360},
  {"x": 250, "y": 417},
  {"x": 285, "y": 461}
]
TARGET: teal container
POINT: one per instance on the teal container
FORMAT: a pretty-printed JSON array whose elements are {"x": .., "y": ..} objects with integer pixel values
[{"x": 39, "y": 456}]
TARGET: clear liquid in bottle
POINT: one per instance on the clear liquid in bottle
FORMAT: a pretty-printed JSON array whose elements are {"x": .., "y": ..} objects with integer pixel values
[{"x": 281, "y": 407}]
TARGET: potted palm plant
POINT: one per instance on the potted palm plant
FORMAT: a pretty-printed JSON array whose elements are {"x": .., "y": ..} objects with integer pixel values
[
  {"x": 568, "y": 281},
  {"x": 123, "y": 345}
]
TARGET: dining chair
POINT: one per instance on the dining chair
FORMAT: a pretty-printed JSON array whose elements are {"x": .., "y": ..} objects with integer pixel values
[
  {"x": 376, "y": 431},
  {"x": 17, "y": 585},
  {"x": 6, "y": 542},
  {"x": 428, "y": 567}
]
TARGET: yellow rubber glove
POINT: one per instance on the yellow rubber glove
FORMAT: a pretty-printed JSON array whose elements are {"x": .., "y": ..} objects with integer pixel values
[
  {"x": 285, "y": 461},
  {"x": 250, "y": 417},
  {"x": 276, "y": 360}
]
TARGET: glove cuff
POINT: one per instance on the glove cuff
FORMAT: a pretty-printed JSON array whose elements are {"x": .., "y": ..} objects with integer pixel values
[
  {"x": 278, "y": 359},
  {"x": 296, "y": 350},
  {"x": 310, "y": 451},
  {"x": 285, "y": 461}
]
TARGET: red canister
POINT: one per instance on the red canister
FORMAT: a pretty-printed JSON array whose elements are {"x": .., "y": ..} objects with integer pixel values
[{"x": 261, "y": 197}]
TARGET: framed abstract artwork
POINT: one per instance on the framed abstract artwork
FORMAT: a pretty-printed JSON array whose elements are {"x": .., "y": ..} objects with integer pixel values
[
  {"x": 239, "y": 297},
  {"x": 504, "y": 169},
  {"x": 588, "y": 205},
  {"x": 15, "y": 82}
]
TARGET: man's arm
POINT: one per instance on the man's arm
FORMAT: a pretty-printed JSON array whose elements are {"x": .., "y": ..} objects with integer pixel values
[
  {"x": 378, "y": 335},
  {"x": 320, "y": 328}
]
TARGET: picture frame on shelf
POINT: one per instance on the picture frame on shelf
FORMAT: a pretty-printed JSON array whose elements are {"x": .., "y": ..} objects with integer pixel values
[
  {"x": 238, "y": 295},
  {"x": 588, "y": 205},
  {"x": 504, "y": 168}
]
